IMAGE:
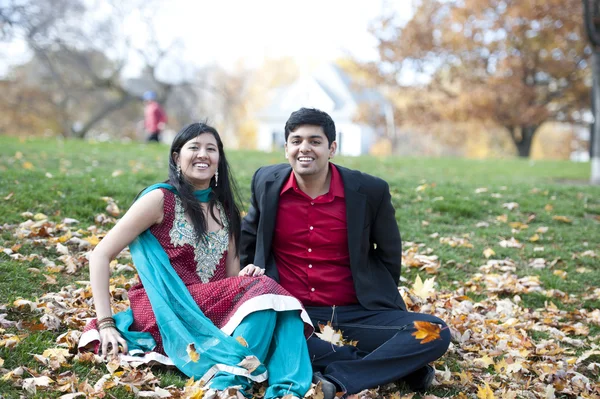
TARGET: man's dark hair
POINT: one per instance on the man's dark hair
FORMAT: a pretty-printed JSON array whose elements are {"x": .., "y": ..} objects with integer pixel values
[{"x": 314, "y": 117}]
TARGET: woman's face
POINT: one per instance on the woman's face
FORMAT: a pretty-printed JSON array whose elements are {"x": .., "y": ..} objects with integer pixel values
[{"x": 199, "y": 160}]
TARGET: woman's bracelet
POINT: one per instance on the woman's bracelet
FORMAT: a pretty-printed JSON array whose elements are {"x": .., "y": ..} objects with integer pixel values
[{"x": 106, "y": 322}]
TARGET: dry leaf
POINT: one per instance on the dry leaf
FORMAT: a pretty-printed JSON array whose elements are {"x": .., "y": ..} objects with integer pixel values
[
  {"x": 329, "y": 334},
  {"x": 426, "y": 331},
  {"x": 485, "y": 392},
  {"x": 424, "y": 290},
  {"x": 563, "y": 219},
  {"x": 242, "y": 341},
  {"x": 191, "y": 351},
  {"x": 250, "y": 363},
  {"x": 488, "y": 252}
]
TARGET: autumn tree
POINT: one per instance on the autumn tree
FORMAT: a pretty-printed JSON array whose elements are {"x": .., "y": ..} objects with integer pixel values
[
  {"x": 79, "y": 54},
  {"x": 513, "y": 63}
]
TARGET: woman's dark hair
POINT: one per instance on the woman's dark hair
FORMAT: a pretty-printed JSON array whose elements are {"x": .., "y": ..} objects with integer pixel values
[{"x": 224, "y": 192}]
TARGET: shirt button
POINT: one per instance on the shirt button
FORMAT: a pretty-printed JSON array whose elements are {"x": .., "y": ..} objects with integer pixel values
[
  {"x": 311, "y": 227},
  {"x": 312, "y": 203},
  {"x": 309, "y": 250},
  {"x": 312, "y": 289},
  {"x": 310, "y": 266}
]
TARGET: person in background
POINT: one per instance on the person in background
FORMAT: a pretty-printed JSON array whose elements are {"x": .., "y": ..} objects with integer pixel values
[
  {"x": 155, "y": 117},
  {"x": 329, "y": 236},
  {"x": 194, "y": 308}
]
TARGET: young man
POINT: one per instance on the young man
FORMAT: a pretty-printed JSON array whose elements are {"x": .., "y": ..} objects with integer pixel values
[
  {"x": 155, "y": 117},
  {"x": 329, "y": 235}
]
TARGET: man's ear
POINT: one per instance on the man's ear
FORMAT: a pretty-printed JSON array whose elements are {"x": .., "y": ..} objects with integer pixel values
[
  {"x": 332, "y": 149},
  {"x": 285, "y": 150}
]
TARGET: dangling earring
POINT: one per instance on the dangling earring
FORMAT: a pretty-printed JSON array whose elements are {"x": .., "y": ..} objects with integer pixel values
[
  {"x": 179, "y": 172},
  {"x": 217, "y": 178}
]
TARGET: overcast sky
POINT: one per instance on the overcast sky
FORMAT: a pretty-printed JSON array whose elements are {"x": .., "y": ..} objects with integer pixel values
[{"x": 225, "y": 31}]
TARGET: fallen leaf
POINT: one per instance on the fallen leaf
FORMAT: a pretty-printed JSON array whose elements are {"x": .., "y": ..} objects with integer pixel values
[
  {"x": 329, "y": 334},
  {"x": 191, "y": 351},
  {"x": 242, "y": 341},
  {"x": 422, "y": 289},
  {"x": 563, "y": 219},
  {"x": 488, "y": 252},
  {"x": 27, "y": 165},
  {"x": 485, "y": 392},
  {"x": 426, "y": 331},
  {"x": 250, "y": 363}
]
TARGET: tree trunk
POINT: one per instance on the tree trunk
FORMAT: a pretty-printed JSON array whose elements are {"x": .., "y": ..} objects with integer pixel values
[
  {"x": 595, "y": 136},
  {"x": 522, "y": 136},
  {"x": 101, "y": 114}
]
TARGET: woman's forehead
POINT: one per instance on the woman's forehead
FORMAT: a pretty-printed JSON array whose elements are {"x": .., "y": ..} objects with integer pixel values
[{"x": 203, "y": 138}]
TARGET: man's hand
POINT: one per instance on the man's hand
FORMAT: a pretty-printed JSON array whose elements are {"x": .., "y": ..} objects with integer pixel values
[{"x": 252, "y": 270}]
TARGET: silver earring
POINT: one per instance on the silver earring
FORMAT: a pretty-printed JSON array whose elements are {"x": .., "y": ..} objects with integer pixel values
[
  {"x": 217, "y": 178},
  {"x": 179, "y": 172}
]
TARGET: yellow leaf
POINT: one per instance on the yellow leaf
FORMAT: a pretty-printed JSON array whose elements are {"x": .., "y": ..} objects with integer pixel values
[
  {"x": 426, "y": 331},
  {"x": 1, "y": 362},
  {"x": 93, "y": 239},
  {"x": 534, "y": 238},
  {"x": 27, "y": 165},
  {"x": 39, "y": 216},
  {"x": 422, "y": 187},
  {"x": 191, "y": 350},
  {"x": 485, "y": 360},
  {"x": 329, "y": 334},
  {"x": 548, "y": 208},
  {"x": 502, "y": 218},
  {"x": 242, "y": 341},
  {"x": 18, "y": 155},
  {"x": 563, "y": 219},
  {"x": 560, "y": 273},
  {"x": 485, "y": 392},
  {"x": 488, "y": 252},
  {"x": 423, "y": 290}
]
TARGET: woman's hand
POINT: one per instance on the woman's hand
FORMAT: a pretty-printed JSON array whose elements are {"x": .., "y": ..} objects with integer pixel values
[
  {"x": 252, "y": 271},
  {"x": 110, "y": 336}
]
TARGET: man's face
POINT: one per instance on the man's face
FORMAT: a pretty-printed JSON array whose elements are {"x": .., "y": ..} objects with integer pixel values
[{"x": 308, "y": 151}]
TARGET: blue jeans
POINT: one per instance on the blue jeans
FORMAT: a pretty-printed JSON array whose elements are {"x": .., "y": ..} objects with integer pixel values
[
  {"x": 277, "y": 340},
  {"x": 386, "y": 350}
]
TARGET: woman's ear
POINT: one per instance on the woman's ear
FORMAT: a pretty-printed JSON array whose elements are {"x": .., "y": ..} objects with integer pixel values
[{"x": 175, "y": 156}]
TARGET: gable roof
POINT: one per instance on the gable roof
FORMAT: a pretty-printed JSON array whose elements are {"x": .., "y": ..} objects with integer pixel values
[{"x": 329, "y": 88}]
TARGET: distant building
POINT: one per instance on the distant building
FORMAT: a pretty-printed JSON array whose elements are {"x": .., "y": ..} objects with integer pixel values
[{"x": 328, "y": 89}]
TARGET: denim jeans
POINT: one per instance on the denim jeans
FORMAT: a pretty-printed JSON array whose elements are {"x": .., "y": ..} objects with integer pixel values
[{"x": 386, "y": 350}]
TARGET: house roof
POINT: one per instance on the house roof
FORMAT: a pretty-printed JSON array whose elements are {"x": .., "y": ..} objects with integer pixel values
[{"x": 329, "y": 88}]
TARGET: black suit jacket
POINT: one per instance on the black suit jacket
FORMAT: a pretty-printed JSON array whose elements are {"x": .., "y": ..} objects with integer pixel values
[{"x": 374, "y": 244}]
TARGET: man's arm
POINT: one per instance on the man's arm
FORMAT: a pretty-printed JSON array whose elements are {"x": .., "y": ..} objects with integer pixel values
[
  {"x": 386, "y": 236},
  {"x": 249, "y": 228}
]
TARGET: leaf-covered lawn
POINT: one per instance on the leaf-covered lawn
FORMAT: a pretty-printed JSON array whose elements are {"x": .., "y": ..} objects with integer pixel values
[{"x": 505, "y": 251}]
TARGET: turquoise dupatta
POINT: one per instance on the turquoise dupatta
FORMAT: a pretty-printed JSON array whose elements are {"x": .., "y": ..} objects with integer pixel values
[{"x": 180, "y": 320}]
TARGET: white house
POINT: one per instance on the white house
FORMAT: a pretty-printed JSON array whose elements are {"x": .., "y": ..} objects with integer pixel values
[{"x": 328, "y": 89}]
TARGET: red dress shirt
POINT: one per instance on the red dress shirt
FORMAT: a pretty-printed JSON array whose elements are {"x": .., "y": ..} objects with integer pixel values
[{"x": 310, "y": 245}]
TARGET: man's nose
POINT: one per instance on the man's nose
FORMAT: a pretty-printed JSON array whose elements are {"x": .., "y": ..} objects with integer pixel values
[{"x": 304, "y": 146}]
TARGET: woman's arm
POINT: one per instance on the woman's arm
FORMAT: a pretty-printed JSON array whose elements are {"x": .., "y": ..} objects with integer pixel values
[{"x": 144, "y": 213}]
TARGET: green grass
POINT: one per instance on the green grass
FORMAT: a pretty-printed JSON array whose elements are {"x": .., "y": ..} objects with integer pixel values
[{"x": 434, "y": 198}]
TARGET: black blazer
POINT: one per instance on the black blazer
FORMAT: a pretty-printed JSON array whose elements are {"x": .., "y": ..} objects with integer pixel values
[{"x": 374, "y": 244}]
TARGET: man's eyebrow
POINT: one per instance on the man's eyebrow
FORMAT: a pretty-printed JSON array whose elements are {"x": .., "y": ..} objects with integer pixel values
[{"x": 314, "y": 136}]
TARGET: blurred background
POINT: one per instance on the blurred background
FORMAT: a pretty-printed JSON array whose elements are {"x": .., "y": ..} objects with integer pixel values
[{"x": 468, "y": 78}]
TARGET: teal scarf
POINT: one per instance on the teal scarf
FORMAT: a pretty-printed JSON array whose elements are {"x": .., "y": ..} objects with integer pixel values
[
  {"x": 180, "y": 320},
  {"x": 201, "y": 195}
]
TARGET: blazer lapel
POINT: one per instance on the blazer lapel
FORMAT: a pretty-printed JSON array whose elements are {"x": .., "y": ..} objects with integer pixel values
[{"x": 355, "y": 214}]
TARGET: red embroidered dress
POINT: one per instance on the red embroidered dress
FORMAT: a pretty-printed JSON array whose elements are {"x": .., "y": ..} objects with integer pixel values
[{"x": 224, "y": 300}]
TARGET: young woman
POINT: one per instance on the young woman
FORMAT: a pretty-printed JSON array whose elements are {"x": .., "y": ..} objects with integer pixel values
[{"x": 193, "y": 307}]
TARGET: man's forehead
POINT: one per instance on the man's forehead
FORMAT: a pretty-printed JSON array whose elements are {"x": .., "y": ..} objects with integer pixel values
[{"x": 308, "y": 131}]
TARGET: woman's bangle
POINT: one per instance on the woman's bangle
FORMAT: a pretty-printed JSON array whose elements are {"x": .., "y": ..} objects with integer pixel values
[{"x": 106, "y": 319}]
